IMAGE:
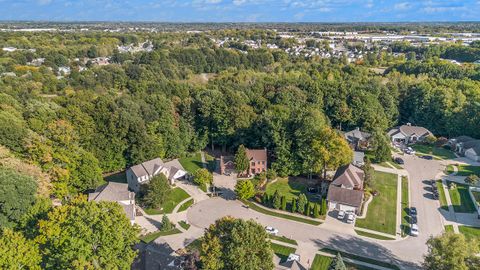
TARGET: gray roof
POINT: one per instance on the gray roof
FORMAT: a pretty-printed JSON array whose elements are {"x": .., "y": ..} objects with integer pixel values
[
  {"x": 345, "y": 196},
  {"x": 348, "y": 176},
  {"x": 358, "y": 157},
  {"x": 471, "y": 144},
  {"x": 476, "y": 149},
  {"x": 147, "y": 167},
  {"x": 409, "y": 130},
  {"x": 461, "y": 139},
  {"x": 112, "y": 192},
  {"x": 356, "y": 134},
  {"x": 129, "y": 210}
]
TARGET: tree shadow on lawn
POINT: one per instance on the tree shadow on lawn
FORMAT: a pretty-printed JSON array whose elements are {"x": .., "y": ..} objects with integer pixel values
[{"x": 359, "y": 247}]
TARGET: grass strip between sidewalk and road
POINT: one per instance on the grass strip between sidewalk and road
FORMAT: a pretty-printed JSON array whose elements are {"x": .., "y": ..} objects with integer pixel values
[
  {"x": 152, "y": 236},
  {"x": 360, "y": 258},
  {"x": 442, "y": 197},
  {"x": 186, "y": 205},
  {"x": 373, "y": 235},
  {"x": 405, "y": 207},
  {"x": 262, "y": 210},
  {"x": 282, "y": 251},
  {"x": 283, "y": 239}
]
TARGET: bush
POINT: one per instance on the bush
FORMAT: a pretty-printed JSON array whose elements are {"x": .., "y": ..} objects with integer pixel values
[
  {"x": 244, "y": 189},
  {"x": 166, "y": 224},
  {"x": 316, "y": 211},
  {"x": 294, "y": 205},
  {"x": 284, "y": 203},
  {"x": 276, "y": 200},
  {"x": 271, "y": 174}
]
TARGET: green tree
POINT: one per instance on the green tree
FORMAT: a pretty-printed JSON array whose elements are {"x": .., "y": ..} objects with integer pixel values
[
  {"x": 472, "y": 179},
  {"x": 17, "y": 195},
  {"x": 302, "y": 203},
  {"x": 316, "y": 211},
  {"x": 284, "y": 203},
  {"x": 381, "y": 147},
  {"x": 294, "y": 205},
  {"x": 337, "y": 263},
  {"x": 87, "y": 235},
  {"x": 451, "y": 251},
  {"x": 265, "y": 199},
  {"x": 242, "y": 164},
  {"x": 308, "y": 209},
  {"x": 271, "y": 174},
  {"x": 166, "y": 224},
  {"x": 277, "y": 203},
  {"x": 245, "y": 189},
  {"x": 323, "y": 210},
  {"x": 236, "y": 244},
  {"x": 18, "y": 253},
  {"x": 155, "y": 192},
  {"x": 202, "y": 177},
  {"x": 368, "y": 171}
]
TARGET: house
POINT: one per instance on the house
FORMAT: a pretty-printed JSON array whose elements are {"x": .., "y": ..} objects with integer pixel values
[
  {"x": 346, "y": 190},
  {"x": 258, "y": 160},
  {"x": 358, "y": 140},
  {"x": 466, "y": 146},
  {"x": 116, "y": 192},
  {"x": 142, "y": 173},
  {"x": 408, "y": 134},
  {"x": 227, "y": 164},
  {"x": 291, "y": 263}
]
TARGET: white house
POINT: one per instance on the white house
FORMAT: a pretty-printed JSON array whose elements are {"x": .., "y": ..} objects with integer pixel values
[
  {"x": 408, "y": 134},
  {"x": 116, "y": 192},
  {"x": 142, "y": 173}
]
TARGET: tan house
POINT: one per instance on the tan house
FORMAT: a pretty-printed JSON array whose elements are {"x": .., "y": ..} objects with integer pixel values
[
  {"x": 142, "y": 173},
  {"x": 346, "y": 190}
]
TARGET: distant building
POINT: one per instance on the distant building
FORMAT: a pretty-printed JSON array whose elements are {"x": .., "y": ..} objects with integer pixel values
[
  {"x": 258, "y": 160},
  {"x": 142, "y": 173},
  {"x": 116, "y": 192},
  {"x": 9, "y": 49},
  {"x": 408, "y": 134},
  {"x": 466, "y": 146},
  {"x": 357, "y": 139},
  {"x": 346, "y": 190}
]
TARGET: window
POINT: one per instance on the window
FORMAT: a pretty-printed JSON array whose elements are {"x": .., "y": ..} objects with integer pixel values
[
  {"x": 253, "y": 163},
  {"x": 253, "y": 171}
]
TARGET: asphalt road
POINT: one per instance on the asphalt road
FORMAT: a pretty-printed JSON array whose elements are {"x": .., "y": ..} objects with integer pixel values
[{"x": 407, "y": 253}]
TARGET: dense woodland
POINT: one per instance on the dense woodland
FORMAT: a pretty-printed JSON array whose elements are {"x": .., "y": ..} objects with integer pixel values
[{"x": 188, "y": 94}]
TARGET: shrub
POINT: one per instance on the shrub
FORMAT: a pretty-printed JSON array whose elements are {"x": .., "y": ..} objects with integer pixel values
[
  {"x": 284, "y": 203},
  {"x": 271, "y": 174},
  {"x": 294, "y": 205}
]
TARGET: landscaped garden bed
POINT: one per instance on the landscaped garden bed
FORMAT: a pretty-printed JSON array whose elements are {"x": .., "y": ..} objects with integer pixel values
[
  {"x": 460, "y": 197},
  {"x": 405, "y": 207},
  {"x": 262, "y": 210},
  {"x": 381, "y": 213}
]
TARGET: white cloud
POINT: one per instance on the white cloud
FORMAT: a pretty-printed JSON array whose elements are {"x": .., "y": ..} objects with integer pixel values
[{"x": 402, "y": 6}]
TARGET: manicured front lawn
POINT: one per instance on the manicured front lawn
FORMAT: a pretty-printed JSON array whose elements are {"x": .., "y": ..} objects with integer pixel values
[
  {"x": 405, "y": 207},
  {"x": 442, "y": 197},
  {"x": 359, "y": 258},
  {"x": 186, "y": 205},
  {"x": 193, "y": 163},
  {"x": 381, "y": 215},
  {"x": 321, "y": 262},
  {"x": 184, "y": 225},
  {"x": 262, "y": 210},
  {"x": 152, "y": 236},
  {"x": 175, "y": 196},
  {"x": 470, "y": 233},
  {"x": 434, "y": 151},
  {"x": 288, "y": 188},
  {"x": 282, "y": 239},
  {"x": 461, "y": 201},
  {"x": 282, "y": 251},
  {"x": 464, "y": 170}
]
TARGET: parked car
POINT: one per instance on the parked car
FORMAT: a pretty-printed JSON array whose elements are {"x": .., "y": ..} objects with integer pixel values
[
  {"x": 427, "y": 157},
  {"x": 413, "y": 211},
  {"x": 350, "y": 218},
  {"x": 271, "y": 230},
  {"x": 413, "y": 220},
  {"x": 409, "y": 151},
  {"x": 399, "y": 161},
  {"x": 414, "y": 230},
  {"x": 341, "y": 215}
]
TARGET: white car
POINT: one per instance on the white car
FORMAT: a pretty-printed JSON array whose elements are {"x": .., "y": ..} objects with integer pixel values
[
  {"x": 414, "y": 230},
  {"x": 271, "y": 230},
  {"x": 410, "y": 151},
  {"x": 341, "y": 214},
  {"x": 350, "y": 218}
]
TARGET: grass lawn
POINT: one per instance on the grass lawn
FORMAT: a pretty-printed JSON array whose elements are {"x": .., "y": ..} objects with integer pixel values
[
  {"x": 381, "y": 215},
  {"x": 195, "y": 245},
  {"x": 184, "y": 225},
  {"x": 193, "y": 163},
  {"x": 441, "y": 192},
  {"x": 283, "y": 239},
  {"x": 471, "y": 233},
  {"x": 186, "y": 205},
  {"x": 152, "y": 236},
  {"x": 290, "y": 189},
  {"x": 372, "y": 235},
  {"x": 360, "y": 258},
  {"x": 282, "y": 251},
  {"x": 321, "y": 262},
  {"x": 449, "y": 228},
  {"x": 262, "y": 210},
  {"x": 464, "y": 170},
  {"x": 433, "y": 151},
  {"x": 461, "y": 201},
  {"x": 405, "y": 207},
  {"x": 175, "y": 196},
  {"x": 119, "y": 177},
  {"x": 385, "y": 164}
]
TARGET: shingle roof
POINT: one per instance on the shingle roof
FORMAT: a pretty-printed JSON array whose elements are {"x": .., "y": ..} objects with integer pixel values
[
  {"x": 345, "y": 196},
  {"x": 356, "y": 134},
  {"x": 257, "y": 154},
  {"x": 348, "y": 176},
  {"x": 411, "y": 130},
  {"x": 471, "y": 144},
  {"x": 463, "y": 138},
  {"x": 147, "y": 168},
  {"x": 112, "y": 192}
]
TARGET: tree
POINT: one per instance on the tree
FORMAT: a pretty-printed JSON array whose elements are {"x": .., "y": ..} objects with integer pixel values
[
  {"x": 368, "y": 171},
  {"x": 302, "y": 203},
  {"x": 242, "y": 164},
  {"x": 472, "y": 179},
  {"x": 276, "y": 200},
  {"x": 265, "y": 199},
  {"x": 271, "y": 174},
  {"x": 294, "y": 205},
  {"x": 202, "y": 177},
  {"x": 381, "y": 147},
  {"x": 87, "y": 235},
  {"x": 17, "y": 195},
  {"x": 236, "y": 244},
  {"x": 18, "y": 253},
  {"x": 316, "y": 211},
  {"x": 308, "y": 209},
  {"x": 451, "y": 251},
  {"x": 323, "y": 210},
  {"x": 245, "y": 189},
  {"x": 284, "y": 203},
  {"x": 155, "y": 192},
  {"x": 430, "y": 139},
  {"x": 337, "y": 263},
  {"x": 166, "y": 224}
]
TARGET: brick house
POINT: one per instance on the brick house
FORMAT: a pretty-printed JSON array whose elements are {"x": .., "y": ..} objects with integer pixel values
[{"x": 258, "y": 160}]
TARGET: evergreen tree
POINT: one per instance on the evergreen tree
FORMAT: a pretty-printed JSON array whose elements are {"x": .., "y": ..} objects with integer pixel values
[
  {"x": 316, "y": 211},
  {"x": 337, "y": 263},
  {"x": 284, "y": 203},
  {"x": 276, "y": 200},
  {"x": 323, "y": 210},
  {"x": 242, "y": 164},
  {"x": 302, "y": 203},
  {"x": 265, "y": 199},
  {"x": 294, "y": 205},
  {"x": 307, "y": 209},
  {"x": 166, "y": 224}
]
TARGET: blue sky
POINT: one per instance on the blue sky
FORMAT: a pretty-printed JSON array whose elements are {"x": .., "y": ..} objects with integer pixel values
[{"x": 241, "y": 10}]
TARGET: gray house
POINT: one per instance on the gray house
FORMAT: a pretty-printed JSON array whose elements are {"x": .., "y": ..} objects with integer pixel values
[
  {"x": 142, "y": 173},
  {"x": 466, "y": 146},
  {"x": 116, "y": 192},
  {"x": 408, "y": 134}
]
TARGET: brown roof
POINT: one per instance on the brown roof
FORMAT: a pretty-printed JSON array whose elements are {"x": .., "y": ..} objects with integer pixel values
[
  {"x": 257, "y": 154},
  {"x": 409, "y": 130},
  {"x": 348, "y": 176},
  {"x": 345, "y": 196}
]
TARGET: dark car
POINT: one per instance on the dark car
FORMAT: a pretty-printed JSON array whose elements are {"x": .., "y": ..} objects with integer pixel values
[
  {"x": 427, "y": 157},
  {"x": 399, "y": 161},
  {"x": 413, "y": 211},
  {"x": 413, "y": 220}
]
